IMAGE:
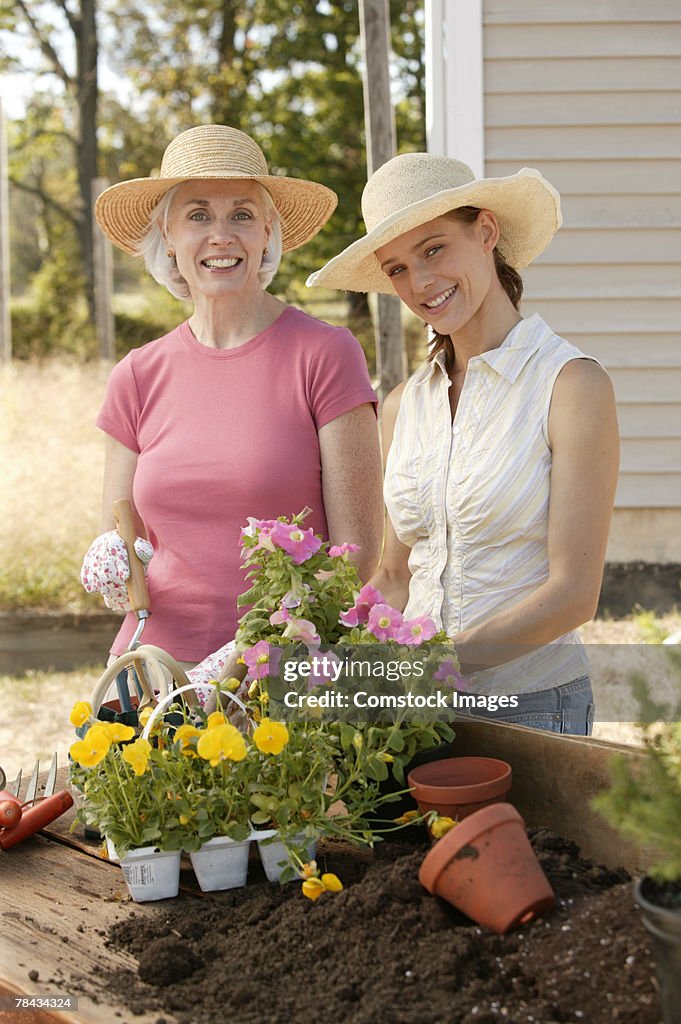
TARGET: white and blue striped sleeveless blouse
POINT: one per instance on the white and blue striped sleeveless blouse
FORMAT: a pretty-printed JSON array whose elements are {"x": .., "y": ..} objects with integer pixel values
[{"x": 470, "y": 498}]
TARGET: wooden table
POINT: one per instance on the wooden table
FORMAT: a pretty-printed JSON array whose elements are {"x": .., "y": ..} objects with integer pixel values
[{"x": 58, "y": 898}]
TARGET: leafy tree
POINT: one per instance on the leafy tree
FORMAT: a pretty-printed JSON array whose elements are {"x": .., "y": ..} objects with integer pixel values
[{"x": 35, "y": 19}]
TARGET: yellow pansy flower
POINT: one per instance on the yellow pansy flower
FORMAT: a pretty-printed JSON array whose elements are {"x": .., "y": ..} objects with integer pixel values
[
  {"x": 215, "y": 719},
  {"x": 313, "y": 888},
  {"x": 92, "y": 749},
  {"x": 144, "y": 715},
  {"x": 117, "y": 732},
  {"x": 137, "y": 755},
  {"x": 184, "y": 734},
  {"x": 270, "y": 737},
  {"x": 441, "y": 826},
  {"x": 222, "y": 742},
  {"x": 80, "y": 712},
  {"x": 405, "y": 818}
]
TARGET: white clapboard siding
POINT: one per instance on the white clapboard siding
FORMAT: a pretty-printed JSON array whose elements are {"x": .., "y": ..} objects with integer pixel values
[
  {"x": 603, "y": 280},
  {"x": 589, "y": 92},
  {"x": 530, "y": 12},
  {"x": 588, "y": 177},
  {"x": 634, "y": 351},
  {"x": 584, "y": 141},
  {"x": 637, "y": 419},
  {"x": 648, "y": 490},
  {"x": 601, "y": 108},
  {"x": 638, "y": 456},
  {"x": 600, "y": 39},
  {"x": 602, "y": 315},
  {"x": 577, "y": 246},
  {"x": 578, "y": 74}
]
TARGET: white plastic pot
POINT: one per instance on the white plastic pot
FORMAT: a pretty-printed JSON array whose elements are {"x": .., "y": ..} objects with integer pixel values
[
  {"x": 274, "y": 855},
  {"x": 151, "y": 874},
  {"x": 221, "y": 863}
]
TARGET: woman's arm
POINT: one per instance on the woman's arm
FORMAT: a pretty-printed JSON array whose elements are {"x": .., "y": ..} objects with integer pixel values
[
  {"x": 351, "y": 484},
  {"x": 584, "y": 440},
  {"x": 393, "y": 575},
  {"x": 120, "y": 464}
]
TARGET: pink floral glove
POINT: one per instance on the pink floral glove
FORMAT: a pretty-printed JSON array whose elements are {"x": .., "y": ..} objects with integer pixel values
[
  {"x": 106, "y": 568},
  {"x": 207, "y": 671}
]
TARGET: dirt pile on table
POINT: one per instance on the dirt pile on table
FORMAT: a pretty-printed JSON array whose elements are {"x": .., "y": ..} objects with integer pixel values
[{"x": 385, "y": 949}]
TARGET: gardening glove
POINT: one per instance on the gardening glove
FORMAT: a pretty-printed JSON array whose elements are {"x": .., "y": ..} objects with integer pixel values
[
  {"x": 211, "y": 669},
  {"x": 106, "y": 568}
]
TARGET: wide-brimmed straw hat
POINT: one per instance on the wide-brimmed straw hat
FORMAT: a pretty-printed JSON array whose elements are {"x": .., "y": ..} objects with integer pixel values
[
  {"x": 213, "y": 151},
  {"x": 414, "y": 188}
]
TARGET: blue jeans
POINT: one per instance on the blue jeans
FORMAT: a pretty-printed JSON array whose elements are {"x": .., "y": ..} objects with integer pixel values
[{"x": 565, "y": 709}]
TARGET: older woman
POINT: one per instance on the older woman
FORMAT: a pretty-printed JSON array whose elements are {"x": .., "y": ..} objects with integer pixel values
[
  {"x": 248, "y": 408},
  {"x": 502, "y": 450}
]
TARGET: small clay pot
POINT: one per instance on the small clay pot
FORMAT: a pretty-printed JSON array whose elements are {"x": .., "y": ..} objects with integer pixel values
[
  {"x": 486, "y": 868},
  {"x": 458, "y": 786}
]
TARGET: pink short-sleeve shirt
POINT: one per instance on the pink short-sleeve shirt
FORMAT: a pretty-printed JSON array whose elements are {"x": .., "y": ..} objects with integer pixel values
[{"x": 223, "y": 434}]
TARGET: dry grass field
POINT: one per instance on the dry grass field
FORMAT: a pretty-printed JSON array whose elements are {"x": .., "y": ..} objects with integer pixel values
[{"x": 51, "y": 454}]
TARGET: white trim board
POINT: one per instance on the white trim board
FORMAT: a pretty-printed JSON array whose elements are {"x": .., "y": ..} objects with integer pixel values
[{"x": 454, "y": 81}]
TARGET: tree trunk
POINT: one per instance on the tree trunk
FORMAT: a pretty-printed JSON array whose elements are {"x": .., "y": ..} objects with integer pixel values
[{"x": 85, "y": 31}]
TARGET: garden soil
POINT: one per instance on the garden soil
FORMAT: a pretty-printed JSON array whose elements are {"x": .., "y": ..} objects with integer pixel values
[{"x": 385, "y": 950}]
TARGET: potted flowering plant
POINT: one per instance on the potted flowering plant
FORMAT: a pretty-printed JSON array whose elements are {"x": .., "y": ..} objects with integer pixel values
[
  {"x": 177, "y": 787},
  {"x": 306, "y": 598}
]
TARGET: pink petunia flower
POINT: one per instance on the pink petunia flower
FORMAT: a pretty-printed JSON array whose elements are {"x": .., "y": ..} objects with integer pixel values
[
  {"x": 298, "y": 543},
  {"x": 262, "y": 660},
  {"x": 303, "y": 630},
  {"x": 449, "y": 674},
  {"x": 321, "y": 664},
  {"x": 280, "y": 617},
  {"x": 359, "y": 613},
  {"x": 384, "y": 622},
  {"x": 338, "y": 550},
  {"x": 414, "y": 632}
]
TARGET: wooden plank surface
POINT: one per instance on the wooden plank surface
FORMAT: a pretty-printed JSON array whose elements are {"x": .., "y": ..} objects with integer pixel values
[
  {"x": 554, "y": 780},
  {"x": 57, "y": 903},
  {"x": 56, "y": 906}
]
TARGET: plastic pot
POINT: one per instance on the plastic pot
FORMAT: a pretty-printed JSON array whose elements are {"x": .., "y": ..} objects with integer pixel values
[
  {"x": 151, "y": 874},
  {"x": 274, "y": 855},
  {"x": 458, "y": 786},
  {"x": 487, "y": 869},
  {"x": 664, "y": 926},
  {"x": 221, "y": 863}
]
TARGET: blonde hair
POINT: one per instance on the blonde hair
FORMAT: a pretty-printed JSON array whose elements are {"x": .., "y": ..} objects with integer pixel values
[{"x": 163, "y": 268}]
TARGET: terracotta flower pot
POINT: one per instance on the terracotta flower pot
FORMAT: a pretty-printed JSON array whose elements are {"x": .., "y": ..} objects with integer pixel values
[
  {"x": 458, "y": 786},
  {"x": 486, "y": 868}
]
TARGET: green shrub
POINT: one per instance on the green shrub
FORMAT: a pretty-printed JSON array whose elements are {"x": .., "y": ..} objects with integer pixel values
[{"x": 644, "y": 799}]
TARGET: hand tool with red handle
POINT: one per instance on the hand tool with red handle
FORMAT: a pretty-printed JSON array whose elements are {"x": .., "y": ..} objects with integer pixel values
[{"x": 34, "y": 812}]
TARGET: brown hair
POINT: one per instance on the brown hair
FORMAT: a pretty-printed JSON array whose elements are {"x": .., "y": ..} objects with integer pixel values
[{"x": 509, "y": 279}]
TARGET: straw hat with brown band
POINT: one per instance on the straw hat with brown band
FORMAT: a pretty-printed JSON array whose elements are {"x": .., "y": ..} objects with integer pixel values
[
  {"x": 414, "y": 188},
  {"x": 213, "y": 151}
]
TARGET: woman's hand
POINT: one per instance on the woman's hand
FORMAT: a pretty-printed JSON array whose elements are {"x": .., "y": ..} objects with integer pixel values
[{"x": 106, "y": 568}]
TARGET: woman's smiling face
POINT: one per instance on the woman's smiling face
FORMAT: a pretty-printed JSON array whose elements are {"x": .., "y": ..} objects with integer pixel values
[
  {"x": 218, "y": 230},
  {"x": 443, "y": 270}
]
